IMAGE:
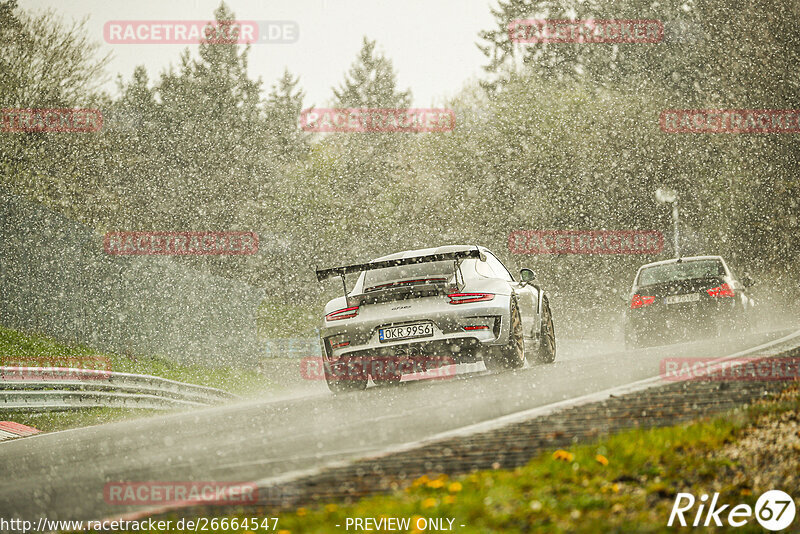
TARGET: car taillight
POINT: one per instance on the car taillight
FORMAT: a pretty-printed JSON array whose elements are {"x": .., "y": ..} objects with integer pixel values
[
  {"x": 462, "y": 298},
  {"x": 477, "y": 327},
  {"x": 639, "y": 301},
  {"x": 344, "y": 313},
  {"x": 721, "y": 291}
]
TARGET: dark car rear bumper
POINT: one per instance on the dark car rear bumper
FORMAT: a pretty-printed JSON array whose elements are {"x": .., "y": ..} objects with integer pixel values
[{"x": 669, "y": 323}]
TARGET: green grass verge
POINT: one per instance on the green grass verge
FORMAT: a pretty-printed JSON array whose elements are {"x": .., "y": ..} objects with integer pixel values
[
  {"x": 242, "y": 381},
  {"x": 626, "y": 482}
]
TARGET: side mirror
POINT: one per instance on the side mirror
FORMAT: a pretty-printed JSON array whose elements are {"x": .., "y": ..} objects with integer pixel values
[
  {"x": 747, "y": 281},
  {"x": 526, "y": 275}
]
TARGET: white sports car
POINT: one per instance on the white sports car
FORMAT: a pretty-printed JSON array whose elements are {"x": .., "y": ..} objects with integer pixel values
[{"x": 421, "y": 309}]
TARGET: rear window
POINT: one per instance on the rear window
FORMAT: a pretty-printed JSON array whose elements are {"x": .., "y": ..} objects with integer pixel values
[
  {"x": 434, "y": 272},
  {"x": 659, "y": 274}
]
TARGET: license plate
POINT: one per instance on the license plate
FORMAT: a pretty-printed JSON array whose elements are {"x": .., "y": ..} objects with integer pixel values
[
  {"x": 678, "y": 299},
  {"x": 408, "y": 331}
]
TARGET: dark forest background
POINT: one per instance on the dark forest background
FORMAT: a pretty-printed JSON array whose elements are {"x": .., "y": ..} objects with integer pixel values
[{"x": 553, "y": 137}]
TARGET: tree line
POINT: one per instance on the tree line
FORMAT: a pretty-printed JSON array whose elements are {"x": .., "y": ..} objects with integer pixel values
[{"x": 553, "y": 136}]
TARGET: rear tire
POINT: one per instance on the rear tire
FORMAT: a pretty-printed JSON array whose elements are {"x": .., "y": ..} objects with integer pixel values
[
  {"x": 351, "y": 381},
  {"x": 386, "y": 382},
  {"x": 512, "y": 355},
  {"x": 389, "y": 372},
  {"x": 547, "y": 336}
]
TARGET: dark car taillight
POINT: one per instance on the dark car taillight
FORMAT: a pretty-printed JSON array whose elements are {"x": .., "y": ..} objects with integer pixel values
[
  {"x": 639, "y": 301},
  {"x": 344, "y": 313},
  {"x": 721, "y": 291},
  {"x": 463, "y": 298}
]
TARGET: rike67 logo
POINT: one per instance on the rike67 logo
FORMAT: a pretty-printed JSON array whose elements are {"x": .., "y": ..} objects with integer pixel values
[{"x": 774, "y": 510}]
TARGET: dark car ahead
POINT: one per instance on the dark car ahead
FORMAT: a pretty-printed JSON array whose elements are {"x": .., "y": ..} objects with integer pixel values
[{"x": 686, "y": 298}]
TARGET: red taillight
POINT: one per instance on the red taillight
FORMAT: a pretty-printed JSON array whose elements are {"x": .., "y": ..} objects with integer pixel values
[
  {"x": 476, "y": 327},
  {"x": 639, "y": 301},
  {"x": 721, "y": 291},
  {"x": 344, "y": 313},
  {"x": 340, "y": 345},
  {"x": 462, "y": 298}
]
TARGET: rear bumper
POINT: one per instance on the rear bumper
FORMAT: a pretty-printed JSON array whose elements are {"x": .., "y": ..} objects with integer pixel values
[
  {"x": 449, "y": 338},
  {"x": 681, "y": 321}
]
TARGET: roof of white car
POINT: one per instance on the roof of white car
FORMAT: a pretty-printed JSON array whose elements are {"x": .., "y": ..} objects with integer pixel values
[
  {"x": 427, "y": 251},
  {"x": 682, "y": 259}
]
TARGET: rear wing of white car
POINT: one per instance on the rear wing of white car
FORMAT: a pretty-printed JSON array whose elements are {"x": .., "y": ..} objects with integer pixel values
[
  {"x": 323, "y": 274},
  {"x": 455, "y": 257}
]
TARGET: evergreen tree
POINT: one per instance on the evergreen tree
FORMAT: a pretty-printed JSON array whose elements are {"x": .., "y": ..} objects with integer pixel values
[
  {"x": 212, "y": 135},
  {"x": 283, "y": 107},
  {"x": 371, "y": 82}
]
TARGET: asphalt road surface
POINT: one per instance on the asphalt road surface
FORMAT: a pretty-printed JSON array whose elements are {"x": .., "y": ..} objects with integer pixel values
[{"x": 62, "y": 475}]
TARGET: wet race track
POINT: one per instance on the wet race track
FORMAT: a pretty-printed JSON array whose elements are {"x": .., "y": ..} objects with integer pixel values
[{"x": 62, "y": 475}]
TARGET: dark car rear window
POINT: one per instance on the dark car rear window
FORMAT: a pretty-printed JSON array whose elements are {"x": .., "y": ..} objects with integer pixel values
[
  {"x": 436, "y": 271},
  {"x": 686, "y": 270}
]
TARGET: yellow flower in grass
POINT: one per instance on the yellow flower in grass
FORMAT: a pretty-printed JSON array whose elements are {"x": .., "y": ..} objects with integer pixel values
[
  {"x": 301, "y": 512},
  {"x": 436, "y": 484},
  {"x": 455, "y": 487},
  {"x": 330, "y": 508},
  {"x": 610, "y": 487},
  {"x": 284, "y": 531},
  {"x": 430, "y": 502},
  {"x": 414, "y": 523},
  {"x": 421, "y": 480},
  {"x": 563, "y": 455},
  {"x": 602, "y": 460},
  {"x": 449, "y": 499}
]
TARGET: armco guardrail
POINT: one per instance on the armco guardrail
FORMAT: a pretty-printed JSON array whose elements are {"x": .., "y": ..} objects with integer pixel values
[{"x": 45, "y": 388}]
